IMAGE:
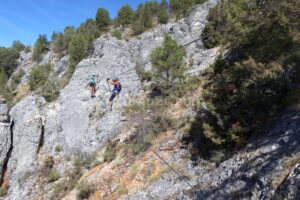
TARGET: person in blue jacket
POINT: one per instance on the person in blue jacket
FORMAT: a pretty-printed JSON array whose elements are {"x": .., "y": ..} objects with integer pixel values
[{"x": 116, "y": 90}]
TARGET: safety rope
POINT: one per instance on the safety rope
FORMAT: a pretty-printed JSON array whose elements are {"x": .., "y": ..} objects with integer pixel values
[{"x": 178, "y": 174}]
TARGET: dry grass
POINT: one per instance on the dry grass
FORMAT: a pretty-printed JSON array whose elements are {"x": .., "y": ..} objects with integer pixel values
[{"x": 288, "y": 164}]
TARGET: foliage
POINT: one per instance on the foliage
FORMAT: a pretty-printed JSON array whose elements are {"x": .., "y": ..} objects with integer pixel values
[
  {"x": 8, "y": 60},
  {"x": 250, "y": 83},
  {"x": 3, "y": 192},
  {"x": 181, "y": 8},
  {"x": 38, "y": 76},
  {"x": 4, "y": 90},
  {"x": 50, "y": 90},
  {"x": 18, "y": 46},
  {"x": 148, "y": 120},
  {"x": 58, "y": 43},
  {"x": 117, "y": 34},
  {"x": 168, "y": 63},
  {"x": 102, "y": 19},
  {"x": 84, "y": 190},
  {"x": 41, "y": 45},
  {"x": 76, "y": 52},
  {"x": 199, "y": 1},
  {"x": 133, "y": 171},
  {"x": 125, "y": 15},
  {"x": 163, "y": 16},
  {"x": 122, "y": 189},
  {"x": 69, "y": 33},
  {"x": 143, "y": 18},
  {"x": 110, "y": 152},
  {"x": 53, "y": 176},
  {"x": 16, "y": 78}
]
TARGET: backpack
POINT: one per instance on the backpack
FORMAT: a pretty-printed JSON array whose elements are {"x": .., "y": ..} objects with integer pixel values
[
  {"x": 118, "y": 88},
  {"x": 92, "y": 82}
]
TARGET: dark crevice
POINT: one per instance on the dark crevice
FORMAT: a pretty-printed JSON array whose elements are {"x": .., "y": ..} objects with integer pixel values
[
  {"x": 41, "y": 142},
  {"x": 8, "y": 155}
]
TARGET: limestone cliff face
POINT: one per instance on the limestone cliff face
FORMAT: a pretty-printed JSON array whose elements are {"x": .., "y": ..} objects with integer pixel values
[{"x": 76, "y": 124}]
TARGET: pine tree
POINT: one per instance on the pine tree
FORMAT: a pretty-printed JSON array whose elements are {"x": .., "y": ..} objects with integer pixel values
[
  {"x": 58, "y": 43},
  {"x": 102, "y": 19},
  {"x": 18, "y": 46},
  {"x": 181, "y": 8},
  {"x": 164, "y": 4},
  {"x": 69, "y": 32},
  {"x": 163, "y": 15},
  {"x": 125, "y": 15},
  {"x": 168, "y": 62},
  {"x": 41, "y": 45},
  {"x": 76, "y": 52}
]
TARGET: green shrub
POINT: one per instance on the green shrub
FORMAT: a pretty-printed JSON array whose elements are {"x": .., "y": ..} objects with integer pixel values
[
  {"x": 58, "y": 148},
  {"x": 110, "y": 152},
  {"x": 18, "y": 46},
  {"x": 199, "y": 1},
  {"x": 41, "y": 45},
  {"x": 50, "y": 90},
  {"x": 251, "y": 83},
  {"x": 84, "y": 190},
  {"x": 38, "y": 76},
  {"x": 133, "y": 171},
  {"x": 59, "y": 189},
  {"x": 8, "y": 60},
  {"x": 48, "y": 162},
  {"x": 125, "y": 15},
  {"x": 137, "y": 148},
  {"x": 122, "y": 189},
  {"x": 117, "y": 34},
  {"x": 102, "y": 19},
  {"x": 69, "y": 33},
  {"x": 168, "y": 62},
  {"x": 84, "y": 160},
  {"x": 3, "y": 192},
  {"x": 53, "y": 176},
  {"x": 16, "y": 78},
  {"x": 181, "y": 8},
  {"x": 58, "y": 43},
  {"x": 77, "y": 51}
]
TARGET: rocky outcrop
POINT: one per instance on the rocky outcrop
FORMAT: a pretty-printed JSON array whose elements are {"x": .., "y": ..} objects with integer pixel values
[
  {"x": 248, "y": 174},
  {"x": 83, "y": 123},
  {"x": 26, "y": 63},
  {"x": 27, "y": 135},
  {"x": 290, "y": 188},
  {"x": 5, "y": 138},
  {"x": 79, "y": 124}
]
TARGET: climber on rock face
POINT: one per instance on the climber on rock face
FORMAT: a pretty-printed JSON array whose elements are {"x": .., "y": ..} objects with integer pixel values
[
  {"x": 116, "y": 91},
  {"x": 92, "y": 84}
]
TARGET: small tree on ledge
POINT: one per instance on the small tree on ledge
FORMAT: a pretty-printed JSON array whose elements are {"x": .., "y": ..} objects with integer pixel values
[{"x": 168, "y": 63}]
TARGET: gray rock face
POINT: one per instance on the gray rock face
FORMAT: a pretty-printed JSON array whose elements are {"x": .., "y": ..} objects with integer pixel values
[
  {"x": 83, "y": 123},
  {"x": 61, "y": 66},
  {"x": 5, "y": 136},
  {"x": 184, "y": 32},
  {"x": 290, "y": 188},
  {"x": 27, "y": 137},
  {"x": 78, "y": 123},
  {"x": 3, "y": 111}
]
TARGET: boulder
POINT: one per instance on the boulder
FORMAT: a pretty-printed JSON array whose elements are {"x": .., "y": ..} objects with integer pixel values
[
  {"x": 290, "y": 188},
  {"x": 5, "y": 136},
  {"x": 27, "y": 133}
]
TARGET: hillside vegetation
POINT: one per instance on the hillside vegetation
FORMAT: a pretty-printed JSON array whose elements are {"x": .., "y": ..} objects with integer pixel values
[
  {"x": 259, "y": 76},
  {"x": 77, "y": 42}
]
